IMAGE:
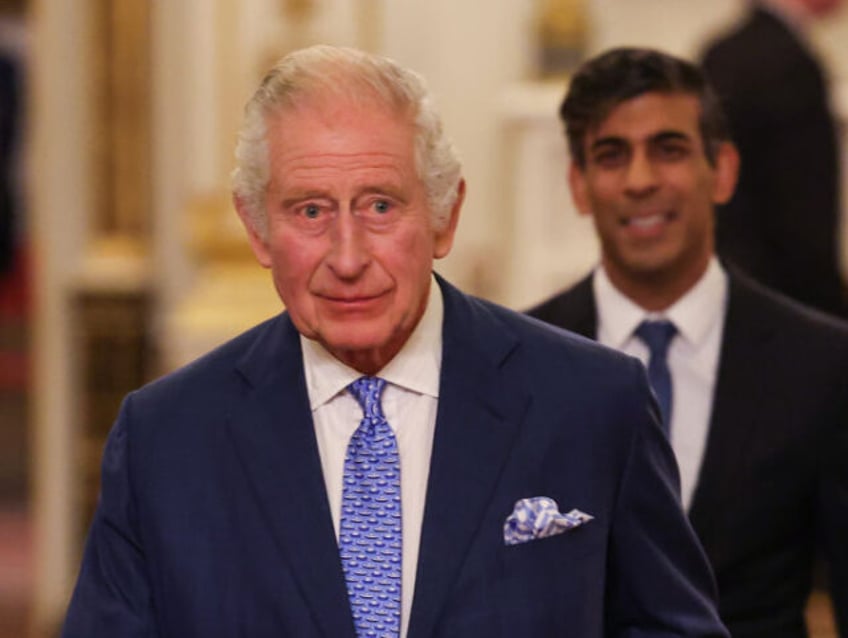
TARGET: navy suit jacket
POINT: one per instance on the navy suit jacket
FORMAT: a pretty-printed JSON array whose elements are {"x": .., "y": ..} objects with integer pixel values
[
  {"x": 774, "y": 478},
  {"x": 214, "y": 518}
]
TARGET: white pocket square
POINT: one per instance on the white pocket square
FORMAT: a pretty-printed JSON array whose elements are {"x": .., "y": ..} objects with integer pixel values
[{"x": 539, "y": 517}]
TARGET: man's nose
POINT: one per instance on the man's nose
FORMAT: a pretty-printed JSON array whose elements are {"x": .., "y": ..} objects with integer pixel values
[
  {"x": 349, "y": 252},
  {"x": 641, "y": 177}
]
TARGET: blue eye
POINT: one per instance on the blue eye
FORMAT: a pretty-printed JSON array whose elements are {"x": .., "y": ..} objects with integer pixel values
[
  {"x": 382, "y": 206},
  {"x": 311, "y": 211}
]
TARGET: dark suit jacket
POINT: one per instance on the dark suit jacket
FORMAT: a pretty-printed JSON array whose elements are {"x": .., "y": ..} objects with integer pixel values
[
  {"x": 781, "y": 226},
  {"x": 214, "y": 519},
  {"x": 775, "y": 470}
]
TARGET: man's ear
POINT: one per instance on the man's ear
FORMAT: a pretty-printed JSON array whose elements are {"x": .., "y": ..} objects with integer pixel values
[
  {"x": 444, "y": 236},
  {"x": 577, "y": 186},
  {"x": 726, "y": 172},
  {"x": 257, "y": 238}
]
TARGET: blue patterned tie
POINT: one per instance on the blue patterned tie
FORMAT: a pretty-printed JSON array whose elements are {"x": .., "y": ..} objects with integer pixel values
[
  {"x": 370, "y": 528},
  {"x": 657, "y": 335}
]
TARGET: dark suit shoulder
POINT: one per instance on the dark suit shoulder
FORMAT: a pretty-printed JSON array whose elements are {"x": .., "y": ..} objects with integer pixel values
[
  {"x": 791, "y": 322},
  {"x": 572, "y": 309},
  {"x": 533, "y": 327},
  {"x": 798, "y": 355},
  {"x": 558, "y": 361},
  {"x": 207, "y": 384},
  {"x": 222, "y": 357}
]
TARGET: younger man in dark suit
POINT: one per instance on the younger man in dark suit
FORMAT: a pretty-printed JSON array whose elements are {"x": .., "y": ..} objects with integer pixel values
[
  {"x": 389, "y": 457},
  {"x": 752, "y": 387}
]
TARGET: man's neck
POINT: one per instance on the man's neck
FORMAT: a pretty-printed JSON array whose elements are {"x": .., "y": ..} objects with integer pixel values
[{"x": 655, "y": 292}]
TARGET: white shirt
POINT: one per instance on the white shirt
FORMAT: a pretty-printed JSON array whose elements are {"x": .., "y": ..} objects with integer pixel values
[
  {"x": 692, "y": 357},
  {"x": 409, "y": 401}
]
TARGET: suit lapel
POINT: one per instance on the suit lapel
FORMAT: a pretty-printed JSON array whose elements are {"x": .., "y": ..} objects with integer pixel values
[
  {"x": 478, "y": 417},
  {"x": 735, "y": 416},
  {"x": 274, "y": 436}
]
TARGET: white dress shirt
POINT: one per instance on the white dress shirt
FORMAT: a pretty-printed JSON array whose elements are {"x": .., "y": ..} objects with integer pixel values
[
  {"x": 409, "y": 401},
  {"x": 693, "y": 357}
]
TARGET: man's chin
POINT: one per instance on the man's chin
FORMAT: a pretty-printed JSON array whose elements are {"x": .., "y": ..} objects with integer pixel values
[
  {"x": 358, "y": 346},
  {"x": 651, "y": 262}
]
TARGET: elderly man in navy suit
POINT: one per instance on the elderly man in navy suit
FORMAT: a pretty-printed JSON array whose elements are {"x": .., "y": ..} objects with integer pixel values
[
  {"x": 388, "y": 457},
  {"x": 752, "y": 386}
]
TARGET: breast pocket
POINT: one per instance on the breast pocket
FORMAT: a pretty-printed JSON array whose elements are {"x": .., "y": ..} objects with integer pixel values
[
  {"x": 551, "y": 586},
  {"x": 570, "y": 566}
]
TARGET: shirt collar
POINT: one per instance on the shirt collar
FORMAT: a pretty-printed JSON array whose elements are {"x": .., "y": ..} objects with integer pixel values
[
  {"x": 416, "y": 367},
  {"x": 693, "y": 314}
]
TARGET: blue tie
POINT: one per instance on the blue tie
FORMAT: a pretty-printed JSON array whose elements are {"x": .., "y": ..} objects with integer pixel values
[
  {"x": 370, "y": 528},
  {"x": 657, "y": 335}
]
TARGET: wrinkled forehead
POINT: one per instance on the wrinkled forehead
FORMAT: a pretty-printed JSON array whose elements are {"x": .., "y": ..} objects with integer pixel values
[
  {"x": 335, "y": 140},
  {"x": 338, "y": 112},
  {"x": 336, "y": 107}
]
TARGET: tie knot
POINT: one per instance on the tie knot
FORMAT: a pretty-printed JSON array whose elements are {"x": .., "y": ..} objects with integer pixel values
[
  {"x": 368, "y": 391},
  {"x": 657, "y": 335}
]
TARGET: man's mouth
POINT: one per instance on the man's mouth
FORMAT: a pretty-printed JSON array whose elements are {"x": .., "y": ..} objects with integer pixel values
[
  {"x": 352, "y": 300},
  {"x": 647, "y": 223}
]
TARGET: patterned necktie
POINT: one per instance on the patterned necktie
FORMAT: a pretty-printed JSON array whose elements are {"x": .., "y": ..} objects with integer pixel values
[
  {"x": 657, "y": 335},
  {"x": 370, "y": 528}
]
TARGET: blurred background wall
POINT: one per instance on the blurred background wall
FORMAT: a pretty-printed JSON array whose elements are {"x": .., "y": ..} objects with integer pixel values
[{"x": 137, "y": 262}]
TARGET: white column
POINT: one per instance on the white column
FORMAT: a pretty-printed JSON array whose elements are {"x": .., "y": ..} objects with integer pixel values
[{"x": 60, "y": 195}]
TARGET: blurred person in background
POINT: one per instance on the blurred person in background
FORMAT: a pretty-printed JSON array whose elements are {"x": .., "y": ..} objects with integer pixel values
[
  {"x": 752, "y": 386},
  {"x": 9, "y": 129},
  {"x": 782, "y": 225},
  {"x": 12, "y": 45},
  {"x": 16, "y": 561}
]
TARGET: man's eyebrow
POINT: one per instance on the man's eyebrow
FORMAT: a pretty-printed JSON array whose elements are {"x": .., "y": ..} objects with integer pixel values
[
  {"x": 301, "y": 196},
  {"x": 609, "y": 140},
  {"x": 384, "y": 188},
  {"x": 668, "y": 135},
  {"x": 671, "y": 135}
]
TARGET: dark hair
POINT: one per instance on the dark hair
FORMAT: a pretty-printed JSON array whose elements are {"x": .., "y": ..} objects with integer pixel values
[{"x": 618, "y": 75}]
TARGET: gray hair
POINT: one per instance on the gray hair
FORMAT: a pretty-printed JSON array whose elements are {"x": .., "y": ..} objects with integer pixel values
[{"x": 351, "y": 74}]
